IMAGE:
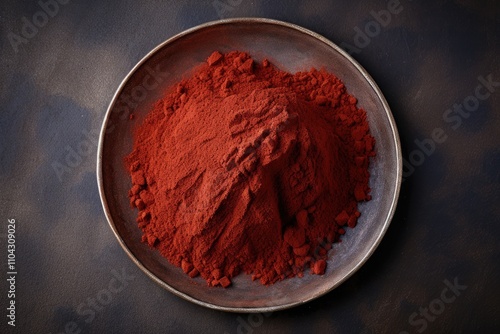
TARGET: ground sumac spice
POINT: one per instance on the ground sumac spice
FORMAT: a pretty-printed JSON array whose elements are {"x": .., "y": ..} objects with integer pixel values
[{"x": 245, "y": 168}]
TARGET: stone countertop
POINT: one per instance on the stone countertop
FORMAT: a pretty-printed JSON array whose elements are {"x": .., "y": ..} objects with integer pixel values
[{"x": 436, "y": 270}]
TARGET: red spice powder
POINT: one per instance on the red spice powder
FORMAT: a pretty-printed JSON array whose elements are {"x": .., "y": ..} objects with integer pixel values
[{"x": 243, "y": 167}]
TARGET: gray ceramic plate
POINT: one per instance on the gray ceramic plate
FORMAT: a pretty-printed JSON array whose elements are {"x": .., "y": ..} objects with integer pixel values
[{"x": 291, "y": 48}]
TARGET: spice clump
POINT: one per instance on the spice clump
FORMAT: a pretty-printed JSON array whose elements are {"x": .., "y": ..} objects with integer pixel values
[{"x": 242, "y": 167}]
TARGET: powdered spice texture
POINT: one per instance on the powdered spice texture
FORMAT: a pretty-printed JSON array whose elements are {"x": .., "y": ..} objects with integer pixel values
[{"x": 243, "y": 167}]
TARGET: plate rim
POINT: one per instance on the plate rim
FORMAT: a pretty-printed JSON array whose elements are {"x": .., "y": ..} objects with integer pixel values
[{"x": 252, "y": 20}]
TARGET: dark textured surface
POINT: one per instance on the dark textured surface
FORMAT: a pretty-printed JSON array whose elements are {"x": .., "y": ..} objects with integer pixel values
[{"x": 429, "y": 56}]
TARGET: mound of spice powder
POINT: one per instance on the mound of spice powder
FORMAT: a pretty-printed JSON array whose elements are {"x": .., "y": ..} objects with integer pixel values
[{"x": 243, "y": 167}]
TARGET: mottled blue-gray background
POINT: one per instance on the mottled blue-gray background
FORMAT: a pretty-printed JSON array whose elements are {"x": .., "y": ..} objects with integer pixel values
[{"x": 54, "y": 90}]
